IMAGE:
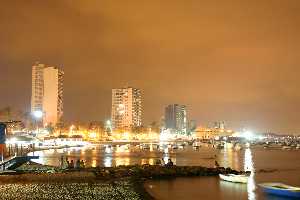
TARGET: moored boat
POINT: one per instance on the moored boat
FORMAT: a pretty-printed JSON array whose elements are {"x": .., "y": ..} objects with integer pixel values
[
  {"x": 234, "y": 178},
  {"x": 286, "y": 147},
  {"x": 281, "y": 189}
]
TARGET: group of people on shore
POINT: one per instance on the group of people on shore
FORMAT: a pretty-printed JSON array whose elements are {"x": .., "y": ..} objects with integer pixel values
[
  {"x": 78, "y": 165},
  {"x": 66, "y": 164},
  {"x": 162, "y": 162}
]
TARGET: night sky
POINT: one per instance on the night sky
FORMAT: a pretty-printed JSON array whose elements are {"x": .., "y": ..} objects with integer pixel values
[{"x": 237, "y": 61}]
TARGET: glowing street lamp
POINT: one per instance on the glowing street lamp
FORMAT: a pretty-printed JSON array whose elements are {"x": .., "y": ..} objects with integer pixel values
[
  {"x": 38, "y": 114},
  {"x": 108, "y": 126},
  {"x": 248, "y": 135}
]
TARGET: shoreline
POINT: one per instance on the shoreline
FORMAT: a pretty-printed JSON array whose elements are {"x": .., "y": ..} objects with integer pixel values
[{"x": 119, "y": 181}]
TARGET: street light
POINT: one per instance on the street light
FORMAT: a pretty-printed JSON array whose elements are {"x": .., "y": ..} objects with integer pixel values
[
  {"x": 37, "y": 114},
  {"x": 248, "y": 135}
]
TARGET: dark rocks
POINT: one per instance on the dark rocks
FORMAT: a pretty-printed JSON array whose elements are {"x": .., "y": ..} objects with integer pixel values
[{"x": 155, "y": 171}]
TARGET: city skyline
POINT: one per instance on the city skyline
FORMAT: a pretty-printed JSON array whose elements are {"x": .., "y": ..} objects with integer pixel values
[{"x": 238, "y": 64}]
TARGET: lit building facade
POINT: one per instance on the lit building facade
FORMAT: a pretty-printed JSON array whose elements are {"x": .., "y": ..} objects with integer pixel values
[
  {"x": 126, "y": 108},
  {"x": 211, "y": 133},
  {"x": 176, "y": 118},
  {"x": 37, "y": 87},
  {"x": 47, "y": 92},
  {"x": 220, "y": 125}
]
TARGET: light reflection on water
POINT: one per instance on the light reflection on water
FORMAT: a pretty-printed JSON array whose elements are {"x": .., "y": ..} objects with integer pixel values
[
  {"x": 94, "y": 163},
  {"x": 250, "y": 159},
  {"x": 105, "y": 155},
  {"x": 108, "y": 162},
  {"x": 122, "y": 161},
  {"x": 248, "y": 166},
  {"x": 230, "y": 159},
  {"x": 150, "y": 161}
]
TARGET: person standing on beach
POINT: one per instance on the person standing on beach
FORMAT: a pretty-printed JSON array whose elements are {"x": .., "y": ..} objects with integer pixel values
[
  {"x": 77, "y": 164},
  {"x": 72, "y": 164},
  {"x": 82, "y": 165},
  {"x": 157, "y": 162},
  {"x": 62, "y": 162},
  {"x": 217, "y": 164},
  {"x": 163, "y": 162},
  {"x": 68, "y": 165}
]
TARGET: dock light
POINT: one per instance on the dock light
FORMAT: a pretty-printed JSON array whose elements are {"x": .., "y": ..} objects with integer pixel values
[{"x": 248, "y": 135}]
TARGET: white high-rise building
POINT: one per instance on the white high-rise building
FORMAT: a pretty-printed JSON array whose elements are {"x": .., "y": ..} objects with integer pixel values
[
  {"x": 126, "y": 108},
  {"x": 47, "y": 92},
  {"x": 37, "y": 87}
]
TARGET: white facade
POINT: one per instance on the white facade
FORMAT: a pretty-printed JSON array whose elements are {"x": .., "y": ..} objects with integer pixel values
[
  {"x": 37, "y": 87},
  {"x": 47, "y": 92},
  {"x": 126, "y": 108}
]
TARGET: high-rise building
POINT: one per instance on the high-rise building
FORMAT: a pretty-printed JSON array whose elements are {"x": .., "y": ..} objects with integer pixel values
[
  {"x": 126, "y": 108},
  {"x": 47, "y": 92},
  {"x": 175, "y": 118},
  {"x": 219, "y": 125},
  {"x": 37, "y": 87}
]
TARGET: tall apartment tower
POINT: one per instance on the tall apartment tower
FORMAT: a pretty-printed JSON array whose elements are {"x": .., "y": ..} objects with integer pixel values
[
  {"x": 126, "y": 108},
  {"x": 47, "y": 92},
  {"x": 175, "y": 118}
]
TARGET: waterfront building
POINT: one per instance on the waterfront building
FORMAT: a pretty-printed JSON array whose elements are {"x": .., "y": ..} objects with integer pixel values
[
  {"x": 176, "y": 118},
  {"x": 219, "y": 125},
  {"x": 47, "y": 92},
  {"x": 126, "y": 110},
  {"x": 211, "y": 133}
]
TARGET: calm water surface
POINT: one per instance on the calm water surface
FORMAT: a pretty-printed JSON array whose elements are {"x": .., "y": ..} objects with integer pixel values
[{"x": 285, "y": 162}]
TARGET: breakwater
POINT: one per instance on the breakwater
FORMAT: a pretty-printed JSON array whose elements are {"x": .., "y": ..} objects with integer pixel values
[{"x": 33, "y": 181}]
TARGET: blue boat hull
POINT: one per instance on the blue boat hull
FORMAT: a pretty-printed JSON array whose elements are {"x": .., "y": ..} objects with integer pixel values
[{"x": 284, "y": 193}]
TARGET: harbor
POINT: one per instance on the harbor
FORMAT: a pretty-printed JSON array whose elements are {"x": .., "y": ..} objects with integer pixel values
[{"x": 265, "y": 164}]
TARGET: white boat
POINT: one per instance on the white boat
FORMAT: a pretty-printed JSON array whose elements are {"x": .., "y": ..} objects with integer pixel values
[
  {"x": 234, "y": 178},
  {"x": 286, "y": 147}
]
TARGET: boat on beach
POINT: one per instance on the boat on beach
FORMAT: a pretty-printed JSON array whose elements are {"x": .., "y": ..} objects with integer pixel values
[
  {"x": 234, "y": 178},
  {"x": 281, "y": 189}
]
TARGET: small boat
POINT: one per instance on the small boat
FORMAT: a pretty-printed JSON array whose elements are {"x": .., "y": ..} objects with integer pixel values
[
  {"x": 286, "y": 147},
  {"x": 281, "y": 189},
  {"x": 234, "y": 178}
]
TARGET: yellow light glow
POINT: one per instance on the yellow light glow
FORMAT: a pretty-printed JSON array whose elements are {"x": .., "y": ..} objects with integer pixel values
[{"x": 93, "y": 135}]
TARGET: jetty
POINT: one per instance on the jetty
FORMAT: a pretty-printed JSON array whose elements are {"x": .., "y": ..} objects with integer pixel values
[{"x": 12, "y": 163}]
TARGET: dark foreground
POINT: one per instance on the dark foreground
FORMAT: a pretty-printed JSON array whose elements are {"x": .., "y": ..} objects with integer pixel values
[{"x": 125, "y": 182}]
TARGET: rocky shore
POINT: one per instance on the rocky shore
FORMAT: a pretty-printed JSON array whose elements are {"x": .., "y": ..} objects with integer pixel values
[{"x": 34, "y": 181}]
